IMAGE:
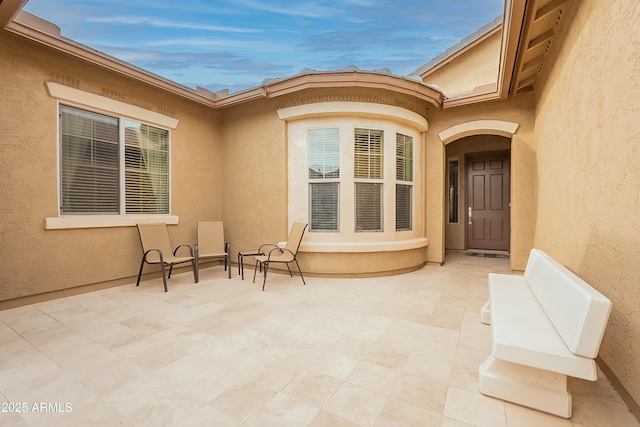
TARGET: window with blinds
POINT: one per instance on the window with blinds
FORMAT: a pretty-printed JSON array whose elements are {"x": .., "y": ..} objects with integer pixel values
[
  {"x": 368, "y": 153},
  {"x": 404, "y": 181},
  {"x": 89, "y": 162},
  {"x": 146, "y": 154},
  {"x": 368, "y": 206},
  {"x": 92, "y": 157},
  {"x": 324, "y": 175},
  {"x": 368, "y": 167}
]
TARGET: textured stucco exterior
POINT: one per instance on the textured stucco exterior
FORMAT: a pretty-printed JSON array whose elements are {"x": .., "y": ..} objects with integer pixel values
[
  {"x": 478, "y": 64},
  {"x": 34, "y": 260},
  {"x": 587, "y": 167}
]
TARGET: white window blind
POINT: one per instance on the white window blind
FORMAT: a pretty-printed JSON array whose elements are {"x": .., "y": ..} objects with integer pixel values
[
  {"x": 324, "y": 206},
  {"x": 324, "y": 174},
  {"x": 368, "y": 165},
  {"x": 404, "y": 177},
  {"x": 403, "y": 207},
  {"x": 146, "y": 169},
  {"x": 89, "y": 166},
  {"x": 91, "y": 162},
  {"x": 404, "y": 157},
  {"x": 324, "y": 153},
  {"x": 368, "y": 206},
  {"x": 368, "y": 153}
]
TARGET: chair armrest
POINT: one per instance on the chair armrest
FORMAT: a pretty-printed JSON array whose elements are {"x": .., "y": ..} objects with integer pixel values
[
  {"x": 153, "y": 250},
  {"x": 280, "y": 251},
  {"x": 265, "y": 245},
  {"x": 183, "y": 246}
]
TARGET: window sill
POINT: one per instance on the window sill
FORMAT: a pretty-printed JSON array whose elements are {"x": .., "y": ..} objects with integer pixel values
[
  {"x": 357, "y": 247},
  {"x": 104, "y": 221}
]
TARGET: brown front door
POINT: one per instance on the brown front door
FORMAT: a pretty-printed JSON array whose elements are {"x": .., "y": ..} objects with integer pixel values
[{"x": 488, "y": 219}]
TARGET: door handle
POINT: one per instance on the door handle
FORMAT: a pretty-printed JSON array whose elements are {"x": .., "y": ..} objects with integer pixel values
[{"x": 470, "y": 215}]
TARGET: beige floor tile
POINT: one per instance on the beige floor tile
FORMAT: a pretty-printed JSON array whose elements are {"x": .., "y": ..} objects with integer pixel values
[
  {"x": 400, "y": 414},
  {"x": 387, "y": 355},
  {"x": 355, "y": 348},
  {"x": 474, "y": 409},
  {"x": 379, "y": 379},
  {"x": 282, "y": 411},
  {"x": 313, "y": 387},
  {"x": 520, "y": 416},
  {"x": 429, "y": 367},
  {"x": 208, "y": 416},
  {"x": 168, "y": 408},
  {"x": 356, "y": 404},
  {"x": 327, "y": 419},
  {"x": 420, "y": 392},
  {"x": 334, "y": 364}
]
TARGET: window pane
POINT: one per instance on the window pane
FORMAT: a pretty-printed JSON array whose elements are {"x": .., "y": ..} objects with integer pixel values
[
  {"x": 324, "y": 206},
  {"x": 89, "y": 162},
  {"x": 368, "y": 154},
  {"x": 324, "y": 153},
  {"x": 403, "y": 207},
  {"x": 453, "y": 191},
  {"x": 368, "y": 206},
  {"x": 404, "y": 157},
  {"x": 146, "y": 169}
]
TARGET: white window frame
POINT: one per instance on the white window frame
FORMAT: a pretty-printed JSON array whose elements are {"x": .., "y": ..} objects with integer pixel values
[
  {"x": 323, "y": 180},
  {"x": 100, "y": 104},
  {"x": 369, "y": 180}
]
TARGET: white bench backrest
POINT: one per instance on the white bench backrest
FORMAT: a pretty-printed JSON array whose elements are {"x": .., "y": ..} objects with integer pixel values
[{"x": 578, "y": 312}]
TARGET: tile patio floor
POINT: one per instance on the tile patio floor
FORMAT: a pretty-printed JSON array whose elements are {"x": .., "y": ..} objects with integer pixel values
[{"x": 393, "y": 351}]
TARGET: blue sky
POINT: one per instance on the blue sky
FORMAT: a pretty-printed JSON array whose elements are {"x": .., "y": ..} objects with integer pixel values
[{"x": 236, "y": 44}]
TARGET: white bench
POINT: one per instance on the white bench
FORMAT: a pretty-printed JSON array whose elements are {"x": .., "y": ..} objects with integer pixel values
[{"x": 545, "y": 326}]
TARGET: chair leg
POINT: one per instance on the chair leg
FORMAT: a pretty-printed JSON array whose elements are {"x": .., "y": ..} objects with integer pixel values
[
  {"x": 256, "y": 269},
  {"x": 164, "y": 278},
  {"x": 264, "y": 281},
  {"x": 140, "y": 272},
  {"x": 227, "y": 264},
  {"x": 300, "y": 271},
  {"x": 196, "y": 272},
  {"x": 290, "y": 274},
  {"x": 170, "y": 270}
]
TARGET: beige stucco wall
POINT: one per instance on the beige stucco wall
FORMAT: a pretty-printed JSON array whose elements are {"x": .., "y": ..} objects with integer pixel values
[
  {"x": 519, "y": 111},
  {"x": 35, "y": 260},
  {"x": 457, "y": 150},
  {"x": 476, "y": 66},
  {"x": 588, "y": 166}
]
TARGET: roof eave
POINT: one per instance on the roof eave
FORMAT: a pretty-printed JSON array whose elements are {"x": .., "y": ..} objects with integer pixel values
[
  {"x": 514, "y": 14},
  {"x": 338, "y": 79}
]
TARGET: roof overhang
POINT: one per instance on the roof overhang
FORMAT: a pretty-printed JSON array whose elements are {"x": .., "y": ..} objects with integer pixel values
[{"x": 529, "y": 29}]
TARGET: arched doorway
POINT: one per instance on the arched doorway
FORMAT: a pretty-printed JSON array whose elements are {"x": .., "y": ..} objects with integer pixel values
[{"x": 478, "y": 173}]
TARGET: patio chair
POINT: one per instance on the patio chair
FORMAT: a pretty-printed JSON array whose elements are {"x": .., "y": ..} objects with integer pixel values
[
  {"x": 156, "y": 249},
  {"x": 211, "y": 244},
  {"x": 275, "y": 254}
]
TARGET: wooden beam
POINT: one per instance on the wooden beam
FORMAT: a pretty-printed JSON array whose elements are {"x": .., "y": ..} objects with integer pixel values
[
  {"x": 541, "y": 39},
  {"x": 548, "y": 8}
]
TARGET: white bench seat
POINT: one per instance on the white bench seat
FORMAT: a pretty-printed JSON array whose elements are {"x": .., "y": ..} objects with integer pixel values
[
  {"x": 522, "y": 332},
  {"x": 545, "y": 326}
]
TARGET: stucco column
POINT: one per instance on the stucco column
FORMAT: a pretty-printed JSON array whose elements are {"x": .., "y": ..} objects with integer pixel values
[{"x": 435, "y": 216}]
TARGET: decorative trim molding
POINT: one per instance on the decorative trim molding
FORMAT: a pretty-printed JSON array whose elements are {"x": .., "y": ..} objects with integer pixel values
[
  {"x": 359, "y": 109},
  {"x": 109, "y": 105},
  {"x": 479, "y": 127}
]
